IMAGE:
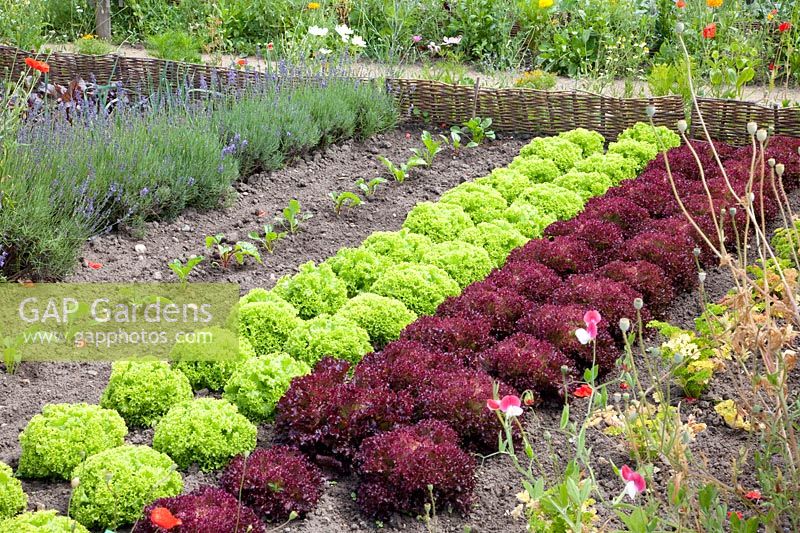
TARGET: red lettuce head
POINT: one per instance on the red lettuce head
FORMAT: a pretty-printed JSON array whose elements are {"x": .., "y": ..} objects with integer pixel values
[
  {"x": 275, "y": 482},
  {"x": 528, "y": 363},
  {"x": 565, "y": 255},
  {"x": 461, "y": 336},
  {"x": 500, "y": 307},
  {"x": 617, "y": 210},
  {"x": 534, "y": 281},
  {"x": 397, "y": 468},
  {"x": 643, "y": 277}
]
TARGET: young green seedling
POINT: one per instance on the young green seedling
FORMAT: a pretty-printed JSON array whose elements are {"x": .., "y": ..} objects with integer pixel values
[
  {"x": 343, "y": 200},
  {"x": 401, "y": 173},
  {"x": 227, "y": 253},
  {"x": 268, "y": 238},
  {"x": 369, "y": 187},
  {"x": 432, "y": 148},
  {"x": 479, "y": 130},
  {"x": 183, "y": 271},
  {"x": 293, "y": 217}
]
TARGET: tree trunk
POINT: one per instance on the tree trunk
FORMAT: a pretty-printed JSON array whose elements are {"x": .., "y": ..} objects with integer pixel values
[{"x": 103, "y": 18}]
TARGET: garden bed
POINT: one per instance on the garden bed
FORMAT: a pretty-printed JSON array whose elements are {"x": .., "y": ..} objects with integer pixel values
[{"x": 309, "y": 180}]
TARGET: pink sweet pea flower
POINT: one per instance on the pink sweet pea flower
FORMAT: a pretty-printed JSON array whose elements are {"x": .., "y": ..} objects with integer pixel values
[
  {"x": 634, "y": 482},
  {"x": 510, "y": 405},
  {"x": 416, "y": 38},
  {"x": 591, "y": 319}
]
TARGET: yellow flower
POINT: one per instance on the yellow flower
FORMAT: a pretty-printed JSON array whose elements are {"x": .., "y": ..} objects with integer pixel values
[
  {"x": 313, "y": 5},
  {"x": 714, "y": 3},
  {"x": 544, "y": 4},
  {"x": 88, "y": 36}
]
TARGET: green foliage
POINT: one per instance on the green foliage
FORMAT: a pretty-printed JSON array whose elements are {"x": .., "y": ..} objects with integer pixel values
[
  {"x": 369, "y": 187},
  {"x": 358, "y": 268},
  {"x": 660, "y": 136},
  {"x": 431, "y": 150},
  {"x": 486, "y": 29},
  {"x": 420, "y": 287},
  {"x": 400, "y": 173},
  {"x": 227, "y": 254},
  {"x": 507, "y": 181},
  {"x": 63, "y": 435},
  {"x": 116, "y": 484},
  {"x": 142, "y": 391},
  {"x": 537, "y": 170},
  {"x": 209, "y": 363},
  {"x": 343, "y": 200},
  {"x": 586, "y": 184},
  {"x": 466, "y": 263},
  {"x": 328, "y": 335},
  {"x": 382, "y": 318},
  {"x": 92, "y": 47},
  {"x": 313, "y": 291},
  {"x": 41, "y": 522},
  {"x": 665, "y": 79},
  {"x": 590, "y": 142},
  {"x": 397, "y": 246},
  {"x": 139, "y": 166},
  {"x": 439, "y": 221},
  {"x": 566, "y": 506},
  {"x": 13, "y": 499},
  {"x": 616, "y": 166},
  {"x": 22, "y": 23},
  {"x": 258, "y": 383},
  {"x": 638, "y": 151},
  {"x": 267, "y": 324},
  {"x": 785, "y": 242},
  {"x": 481, "y": 202},
  {"x": 527, "y": 219},
  {"x": 498, "y": 238},
  {"x": 293, "y": 216},
  {"x": 174, "y": 45},
  {"x": 206, "y": 431},
  {"x": 268, "y": 238},
  {"x": 560, "y": 151},
  {"x": 478, "y": 129},
  {"x": 182, "y": 272},
  {"x": 552, "y": 199}
]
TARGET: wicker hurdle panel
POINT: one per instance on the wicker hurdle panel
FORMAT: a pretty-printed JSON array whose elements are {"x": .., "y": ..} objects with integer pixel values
[{"x": 726, "y": 120}]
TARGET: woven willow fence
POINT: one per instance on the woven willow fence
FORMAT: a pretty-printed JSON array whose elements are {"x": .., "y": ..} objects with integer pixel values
[{"x": 512, "y": 110}]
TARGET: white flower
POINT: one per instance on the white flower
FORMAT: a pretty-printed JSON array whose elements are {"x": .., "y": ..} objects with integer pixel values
[
  {"x": 358, "y": 41},
  {"x": 343, "y": 31},
  {"x": 452, "y": 40},
  {"x": 316, "y": 31},
  {"x": 324, "y": 51},
  {"x": 583, "y": 336},
  {"x": 433, "y": 47}
]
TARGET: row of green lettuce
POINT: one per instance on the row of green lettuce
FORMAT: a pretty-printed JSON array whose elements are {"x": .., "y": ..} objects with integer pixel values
[{"x": 345, "y": 307}]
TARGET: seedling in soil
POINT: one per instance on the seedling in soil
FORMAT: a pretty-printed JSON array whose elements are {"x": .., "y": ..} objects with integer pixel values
[
  {"x": 401, "y": 173},
  {"x": 293, "y": 217},
  {"x": 479, "y": 130},
  {"x": 342, "y": 200},
  {"x": 227, "y": 253},
  {"x": 183, "y": 271},
  {"x": 432, "y": 148},
  {"x": 268, "y": 238},
  {"x": 369, "y": 187}
]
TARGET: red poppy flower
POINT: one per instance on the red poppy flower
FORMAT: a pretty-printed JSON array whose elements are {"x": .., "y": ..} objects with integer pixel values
[
  {"x": 270, "y": 46},
  {"x": 241, "y": 62},
  {"x": 710, "y": 31},
  {"x": 771, "y": 67},
  {"x": 584, "y": 391},
  {"x": 624, "y": 386},
  {"x": 41, "y": 66},
  {"x": 93, "y": 265},
  {"x": 680, "y": 4},
  {"x": 754, "y": 495},
  {"x": 738, "y": 514},
  {"x": 784, "y": 26},
  {"x": 163, "y": 518}
]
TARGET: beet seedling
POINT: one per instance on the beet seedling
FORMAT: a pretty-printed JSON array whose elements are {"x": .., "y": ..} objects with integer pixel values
[
  {"x": 369, "y": 187},
  {"x": 479, "y": 130},
  {"x": 342, "y": 200},
  {"x": 293, "y": 217},
  {"x": 268, "y": 238},
  {"x": 401, "y": 173},
  {"x": 183, "y": 271},
  {"x": 432, "y": 148},
  {"x": 227, "y": 253}
]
